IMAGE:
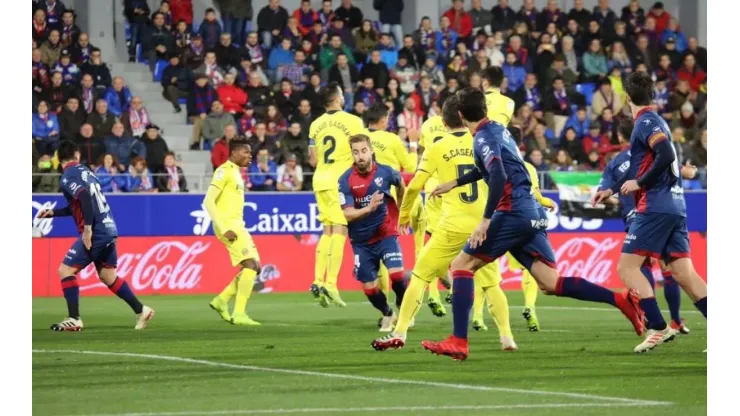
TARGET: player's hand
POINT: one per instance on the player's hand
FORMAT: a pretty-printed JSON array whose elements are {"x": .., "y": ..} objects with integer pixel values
[
  {"x": 404, "y": 229},
  {"x": 630, "y": 186},
  {"x": 376, "y": 201},
  {"x": 413, "y": 136},
  {"x": 443, "y": 188},
  {"x": 480, "y": 233},
  {"x": 87, "y": 237},
  {"x": 548, "y": 204},
  {"x": 45, "y": 213},
  {"x": 230, "y": 235},
  {"x": 601, "y": 196},
  {"x": 689, "y": 171}
]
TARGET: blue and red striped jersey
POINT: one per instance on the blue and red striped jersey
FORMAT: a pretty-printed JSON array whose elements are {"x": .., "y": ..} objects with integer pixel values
[{"x": 76, "y": 179}]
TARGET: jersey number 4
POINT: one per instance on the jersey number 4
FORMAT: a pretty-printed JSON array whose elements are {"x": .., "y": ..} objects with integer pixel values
[
  {"x": 472, "y": 196},
  {"x": 99, "y": 198},
  {"x": 332, "y": 145}
]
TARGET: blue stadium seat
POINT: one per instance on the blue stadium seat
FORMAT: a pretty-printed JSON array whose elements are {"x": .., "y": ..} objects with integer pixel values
[
  {"x": 587, "y": 90},
  {"x": 140, "y": 55},
  {"x": 159, "y": 68}
]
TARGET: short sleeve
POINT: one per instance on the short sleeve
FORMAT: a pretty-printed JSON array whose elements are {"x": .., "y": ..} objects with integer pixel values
[
  {"x": 359, "y": 126},
  {"x": 396, "y": 179},
  {"x": 607, "y": 177},
  {"x": 220, "y": 178},
  {"x": 312, "y": 135},
  {"x": 346, "y": 200},
  {"x": 656, "y": 135}
]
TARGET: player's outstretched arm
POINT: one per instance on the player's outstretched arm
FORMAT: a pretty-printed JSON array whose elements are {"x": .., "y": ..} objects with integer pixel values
[
  {"x": 57, "y": 212},
  {"x": 409, "y": 195},
  {"x": 664, "y": 156}
]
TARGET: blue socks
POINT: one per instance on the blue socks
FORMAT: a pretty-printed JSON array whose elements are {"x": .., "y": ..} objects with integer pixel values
[
  {"x": 463, "y": 291},
  {"x": 701, "y": 304},
  {"x": 121, "y": 288},
  {"x": 378, "y": 300},
  {"x": 72, "y": 295},
  {"x": 652, "y": 313},
  {"x": 399, "y": 287},
  {"x": 647, "y": 271},
  {"x": 582, "y": 289},
  {"x": 672, "y": 292}
]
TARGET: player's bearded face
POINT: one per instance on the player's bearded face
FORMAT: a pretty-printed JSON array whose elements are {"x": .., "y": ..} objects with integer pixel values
[{"x": 363, "y": 156}]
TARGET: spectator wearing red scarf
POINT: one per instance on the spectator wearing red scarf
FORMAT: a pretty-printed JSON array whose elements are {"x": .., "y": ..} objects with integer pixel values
[
  {"x": 692, "y": 73},
  {"x": 220, "y": 150},
  {"x": 460, "y": 19},
  {"x": 40, "y": 29}
]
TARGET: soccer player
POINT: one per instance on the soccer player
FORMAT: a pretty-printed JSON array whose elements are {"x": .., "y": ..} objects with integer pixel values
[
  {"x": 224, "y": 202},
  {"x": 512, "y": 221},
  {"x": 97, "y": 243},
  {"x": 500, "y": 107},
  {"x": 450, "y": 158},
  {"x": 614, "y": 171},
  {"x": 659, "y": 227},
  {"x": 372, "y": 215},
  {"x": 329, "y": 152}
]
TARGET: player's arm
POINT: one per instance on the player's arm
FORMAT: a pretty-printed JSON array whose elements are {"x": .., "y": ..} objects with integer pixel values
[
  {"x": 412, "y": 191},
  {"x": 214, "y": 191},
  {"x": 410, "y": 158},
  {"x": 312, "y": 155},
  {"x": 83, "y": 196},
  {"x": 664, "y": 156},
  {"x": 400, "y": 188},
  {"x": 541, "y": 199},
  {"x": 496, "y": 183},
  {"x": 469, "y": 177}
]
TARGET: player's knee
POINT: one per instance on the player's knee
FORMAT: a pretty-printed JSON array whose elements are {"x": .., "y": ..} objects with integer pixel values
[
  {"x": 396, "y": 275},
  {"x": 66, "y": 271},
  {"x": 370, "y": 288},
  {"x": 464, "y": 261},
  {"x": 107, "y": 275},
  {"x": 251, "y": 264}
]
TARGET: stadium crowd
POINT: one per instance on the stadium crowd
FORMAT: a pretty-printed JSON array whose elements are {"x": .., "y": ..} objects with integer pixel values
[{"x": 260, "y": 79}]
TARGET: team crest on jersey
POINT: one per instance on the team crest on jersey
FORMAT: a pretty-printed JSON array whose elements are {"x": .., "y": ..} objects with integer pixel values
[{"x": 379, "y": 181}]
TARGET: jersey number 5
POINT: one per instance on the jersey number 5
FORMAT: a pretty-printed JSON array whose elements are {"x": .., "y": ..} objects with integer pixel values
[
  {"x": 99, "y": 198},
  {"x": 332, "y": 145},
  {"x": 466, "y": 197}
]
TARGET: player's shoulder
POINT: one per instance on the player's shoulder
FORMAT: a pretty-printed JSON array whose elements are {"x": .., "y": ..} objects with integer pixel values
[
  {"x": 385, "y": 169},
  {"x": 344, "y": 177}
]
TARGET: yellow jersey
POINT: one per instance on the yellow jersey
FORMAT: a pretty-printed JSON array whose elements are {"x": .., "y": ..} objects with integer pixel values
[
  {"x": 390, "y": 150},
  {"x": 230, "y": 201},
  {"x": 330, "y": 134},
  {"x": 450, "y": 158},
  {"x": 431, "y": 131},
  {"x": 500, "y": 107}
]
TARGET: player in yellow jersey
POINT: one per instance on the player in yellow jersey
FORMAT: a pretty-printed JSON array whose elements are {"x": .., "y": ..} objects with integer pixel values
[
  {"x": 432, "y": 131},
  {"x": 225, "y": 205},
  {"x": 451, "y": 157},
  {"x": 330, "y": 154}
]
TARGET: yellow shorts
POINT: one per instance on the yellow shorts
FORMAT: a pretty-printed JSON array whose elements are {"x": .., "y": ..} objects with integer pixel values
[
  {"x": 433, "y": 209},
  {"x": 242, "y": 248},
  {"x": 438, "y": 253},
  {"x": 330, "y": 212},
  {"x": 513, "y": 263}
]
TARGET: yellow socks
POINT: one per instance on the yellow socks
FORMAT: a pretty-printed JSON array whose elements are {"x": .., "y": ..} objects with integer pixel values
[
  {"x": 480, "y": 297},
  {"x": 336, "y": 252},
  {"x": 434, "y": 288},
  {"x": 322, "y": 255},
  {"x": 384, "y": 280},
  {"x": 530, "y": 289},
  {"x": 230, "y": 289},
  {"x": 498, "y": 306},
  {"x": 244, "y": 285},
  {"x": 412, "y": 301}
]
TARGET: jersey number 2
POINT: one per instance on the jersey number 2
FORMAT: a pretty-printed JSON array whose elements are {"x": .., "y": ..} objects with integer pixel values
[
  {"x": 466, "y": 197},
  {"x": 332, "y": 143},
  {"x": 99, "y": 198}
]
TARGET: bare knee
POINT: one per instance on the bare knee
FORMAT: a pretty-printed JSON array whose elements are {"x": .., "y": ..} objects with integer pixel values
[
  {"x": 369, "y": 286},
  {"x": 107, "y": 275},
  {"x": 465, "y": 261},
  {"x": 251, "y": 264},
  {"x": 66, "y": 271},
  {"x": 546, "y": 277}
]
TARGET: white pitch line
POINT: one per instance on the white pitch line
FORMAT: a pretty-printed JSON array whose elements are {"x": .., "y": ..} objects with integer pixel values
[
  {"x": 380, "y": 409},
  {"x": 469, "y": 387}
]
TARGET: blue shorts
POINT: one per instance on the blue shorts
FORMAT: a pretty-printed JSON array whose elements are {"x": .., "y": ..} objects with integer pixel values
[
  {"x": 657, "y": 235},
  {"x": 103, "y": 253},
  {"x": 523, "y": 234},
  {"x": 369, "y": 256}
]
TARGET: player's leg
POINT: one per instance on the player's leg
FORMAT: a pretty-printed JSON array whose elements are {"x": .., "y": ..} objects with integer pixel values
[
  {"x": 75, "y": 260},
  {"x": 489, "y": 278},
  {"x": 677, "y": 254},
  {"x": 479, "y": 300},
  {"x": 335, "y": 217},
  {"x": 672, "y": 293},
  {"x": 323, "y": 247},
  {"x": 384, "y": 281},
  {"x": 244, "y": 253},
  {"x": 434, "y": 301},
  {"x": 392, "y": 259},
  {"x": 529, "y": 290},
  {"x": 366, "y": 264},
  {"x": 220, "y": 303}
]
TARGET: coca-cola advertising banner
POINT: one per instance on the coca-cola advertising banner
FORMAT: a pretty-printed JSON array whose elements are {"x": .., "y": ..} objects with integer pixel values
[
  {"x": 271, "y": 213},
  {"x": 200, "y": 264}
]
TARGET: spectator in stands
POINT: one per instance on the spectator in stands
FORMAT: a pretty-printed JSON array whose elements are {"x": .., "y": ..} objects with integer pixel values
[
  {"x": 303, "y": 115},
  {"x": 425, "y": 95},
  {"x": 550, "y": 14},
  {"x": 232, "y": 97},
  {"x": 540, "y": 142},
  {"x": 665, "y": 69},
  {"x": 435, "y": 74},
  {"x": 407, "y": 76},
  {"x": 503, "y": 17},
  {"x": 661, "y": 96},
  {"x": 123, "y": 146},
  {"x": 220, "y": 149},
  {"x": 82, "y": 49},
  {"x": 619, "y": 58},
  {"x": 579, "y": 123},
  {"x": 156, "y": 147},
  {"x": 176, "y": 81},
  {"x": 71, "y": 118},
  {"x": 140, "y": 177},
  {"x": 377, "y": 71},
  {"x": 194, "y": 55},
  {"x": 136, "y": 118},
  {"x": 345, "y": 34},
  {"x": 101, "y": 119},
  {"x": 171, "y": 178},
  {"x": 538, "y": 160},
  {"x": 445, "y": 39},
  {"x": 118, "y": 97},
  {"x": 69, "y": 30},
  {"x": 593, "y": 163},
  {"x": 263, "y": 173},
  {"x": 606, "y": 18},
  {"x": 410, "y": 117},
  {"x": 557, "y": 106},
  {"x": 670, "y": 49},
  {"x": 366, "y": 93},
  {"x": 359, "y": 109},
  {"x": 329, "y": 54},
  {"x": 57, "y": 93},
  {"x": 608, "y": 124},
  {"x": 248, "y": 121},
  {"x": 200, "y": 100},
  {"x": 661, "y": 17},
  {"x": 110, "y": 176},
  {"x": 91, "y": 147},
  {"x": 571, "y": 144},
  {"x": 281, "y": 55},
  {"x": 45, "y": 177},
  {"x": 698, "y": 151},
  {"x": 258, "y": 94},
  {"x": 692, "y": 73},
  {"x": 98, "y": 70},
  {"x": 51, "y": 49},
  {"x": 213, "y": 126},
  {"x": 271, "y": 20},
  {"x": 70, "y": 72},
  {"x": 245, "y": 70},
  {"x": 681, "y": 94},
  {"x": 528, "y": 15},
  {"x": 326, "y": 14},
  {"x": 227, "y": 55},
  {"x": 41, "y": 29},
  {"x": 346, "y": 76},
  {"x": 388, "y": 51},
  {"x": 305, "y": 16},
  {"x": 460, "y": 20},
  {"x": 595, "y": 66},
  {"x": 287, "y": 99},
  {"x": 634, "y": 16},
  {"x": 318, "y": 36},
  {"x": 425, "y": 35},
  {"x": 366, "y": 38},
  {"x": 275, "y": 121},
  {"x": 594, "y": 139},
  {"x": 237, "y": 18},
  {"x": 685, "y": 118},
  {"x": 593, "y": 32},
  {"x": 256, "y": 53},
  {"x": 389, "y": 14},
  {"x": 45, "y": 129},
  {"x": 493, "y": 51},
  {"x": 87, "y": 93},
  {"x": 311, "y": 93},
  {"x": 413, "y": 51},
  {"x": 480, "y": 18},
  {"x": 211, "y": 70},
  {"x": 158, "y": 41},
  {"x": 643, "y": 53},
  {"x": 699, "y": 52},
  {"x": 183, "y": 36},
  {"x": 137, "y": 14},
  {"x": 41, "y": 73},
  {"x": 652, "y": 33},
  {"x": 293, "y": 141},
  {"x": 577, "y": 37},
  {"x": 559, "y": 69},
  {"x": 290, "y": 175},
  {"x": 182, "y": 10},
  {"x": 349, "y": 14},
  {"x": 453, "y": 85},
  {"x": 291, "y": 32},
  {"x": 210, "y": 29},
  {"x": 605, "y": 98},
  {"x": 530, "y": 94},
  {"x": 164, "y": 8},
  {"x": 525, "y": 120},
  {"x": 562, "y": 162},
  {"x": 569, "y": 55},
  {"x": 260, "y": 140}
]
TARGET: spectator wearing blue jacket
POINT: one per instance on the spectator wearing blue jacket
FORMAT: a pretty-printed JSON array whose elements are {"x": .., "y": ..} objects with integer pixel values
[
  {"x": 579, "y": 122},
  {"x": 140, "y": 179},
  {"x": 388, "y": 52},
  {"x": 445, "y": 39},
  {"x": 123, "y": 147},
  {"x": 210, "y": 29},
  {"x": 514, "y": 72},
  {"x": 110, "y": 176},
  {"x": 45, "y": 129},
  {"x": 281, "y": 55},
  {"x": 263, "y": 174},
  {"x": 118, "y": 97},
  {"x": 594, "y": 62},
  {"x": 674, "y": 31}
]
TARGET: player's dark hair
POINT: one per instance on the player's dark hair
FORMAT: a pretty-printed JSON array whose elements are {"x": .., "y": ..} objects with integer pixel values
[
  {"x": 66, "y": 151},
  {"x": 639, "y": 87},
  {"x": 472, "y": 104},
  {"x": 516, "y": 132},
  {"x": 359, "y": 138},
  {"x": 235, "y": 144},
  {"x": 625, "y": 128},
  {"x": 449, "y": 112},
  {"x": 375, "y": 113},
  {"x": 494, "y": 75},
  {"x": 329, "y": 93}
]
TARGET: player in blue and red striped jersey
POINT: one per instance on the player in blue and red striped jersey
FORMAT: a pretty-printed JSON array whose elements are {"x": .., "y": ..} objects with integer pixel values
[
  {"x": 614, "y": 172},
  {"x": 512, "y": 221},
  {"x": 97, "y": 243},
  {"x": 372, "y": 216},
  {"x": 659, "y": 227}
]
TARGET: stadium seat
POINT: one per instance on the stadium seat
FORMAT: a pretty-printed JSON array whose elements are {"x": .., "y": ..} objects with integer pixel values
[
  {"x": 587, "y": 89},
  {"x": 140, "y": 55},
  {"x": 159, "y": 68}
]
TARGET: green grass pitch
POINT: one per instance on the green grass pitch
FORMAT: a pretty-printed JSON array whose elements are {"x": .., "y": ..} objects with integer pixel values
[{"x": 306, "y": 359}]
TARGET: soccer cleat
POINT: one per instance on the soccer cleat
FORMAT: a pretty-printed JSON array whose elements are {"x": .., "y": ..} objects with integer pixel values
[
  {"x": 142, "y": 319},
  {"x": 323, "y": 301},
  {"x": 679, "y": 327},
  {"x": 436, "y": 306},
  {"x": 445, "y": 282},
  {"x": 629, "y": 303},
  {"x": 655, "y": 337},
  {"x": 315, "y": 291},
  {"x": 531, "y": 317},
  {"x": 454, "y": 347},
  {"x": 387, "y": 322},
  {"x": 448, "y": 298},
  {"x": 332, "y": 296},
  {"x": 221, "y": 307},
  {"x": 390, "y": 341},
  {"x": 479, "y": 325},
  {"x": 68, "y": 324},
  {"x": 508, "y": 344},
  {"x": 243, "y": 319}
]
